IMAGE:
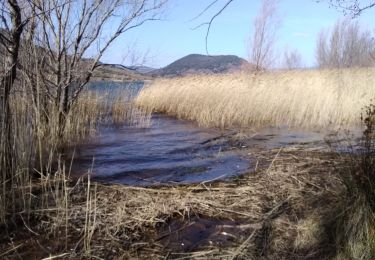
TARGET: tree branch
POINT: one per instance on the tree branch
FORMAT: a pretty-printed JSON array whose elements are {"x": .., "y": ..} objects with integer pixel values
[
  {"x": 352, "y": 7},
  {"x": 209, "y": 23}
]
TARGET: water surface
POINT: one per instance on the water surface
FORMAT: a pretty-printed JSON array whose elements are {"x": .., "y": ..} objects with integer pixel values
[
  {"x": 172, "y": 151},
  {"x": 168, "y": 152}
]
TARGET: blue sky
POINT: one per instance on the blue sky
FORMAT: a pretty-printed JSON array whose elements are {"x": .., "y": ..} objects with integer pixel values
[{"x": 172, "y": 38}]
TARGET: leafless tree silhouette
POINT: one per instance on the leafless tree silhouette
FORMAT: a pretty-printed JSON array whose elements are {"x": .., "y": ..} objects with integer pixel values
[
  {"x": 266, "y": 24},
  {"x": 292, "y": 59},
  {"x": 344, "y": 46}
]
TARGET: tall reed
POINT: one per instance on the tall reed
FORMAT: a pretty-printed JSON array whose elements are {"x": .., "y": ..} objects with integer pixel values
[
  {"x": 301, "y": 98},
  {"x": 38, "y": 177}
]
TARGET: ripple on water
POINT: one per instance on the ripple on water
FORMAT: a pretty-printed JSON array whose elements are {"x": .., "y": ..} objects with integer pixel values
[{"x": 169, "y": 152}]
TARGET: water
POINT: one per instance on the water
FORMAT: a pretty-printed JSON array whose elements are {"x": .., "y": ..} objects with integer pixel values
[
  {"x": 168, "y": 152},
  {"x": 186, "y": 235},
  {"x": 172, "y": 151}
]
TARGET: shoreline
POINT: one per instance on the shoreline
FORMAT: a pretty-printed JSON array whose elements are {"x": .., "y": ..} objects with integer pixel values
[{"x": 276, "y": 204}]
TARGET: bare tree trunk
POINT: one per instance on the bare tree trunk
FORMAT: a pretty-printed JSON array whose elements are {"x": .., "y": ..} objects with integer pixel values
[
  {"x": 7, "y": 81},
  {"x": 12, "y": 48}
]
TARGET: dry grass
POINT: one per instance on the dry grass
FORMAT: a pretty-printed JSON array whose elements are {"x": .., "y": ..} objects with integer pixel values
[
  {"x": 37, "y": 146},
  {"x": 355, "y": 227},
  {"x": 97, "y": 108},
  {"x": 273, "y": 206},
  {"x": 286, "y": 209},
  {"x": 304, "y": 98}
]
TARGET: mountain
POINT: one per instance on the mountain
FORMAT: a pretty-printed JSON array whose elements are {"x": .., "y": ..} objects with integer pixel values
[{"x": 197, "y": 64}]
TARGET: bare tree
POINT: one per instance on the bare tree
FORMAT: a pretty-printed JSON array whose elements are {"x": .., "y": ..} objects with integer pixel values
[
  {"x": 70, "y": 37},
  {"x": 292, "y": 60},
  {"x": 345, "y": 45},
  {"x": 351, "y": 7},
  {"x": 262, "y": 42}
]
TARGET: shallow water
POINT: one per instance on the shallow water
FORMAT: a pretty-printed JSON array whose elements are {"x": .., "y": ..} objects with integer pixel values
[
  {"x": 168, "y": 152},
  {"x": 186, "y": 235}
]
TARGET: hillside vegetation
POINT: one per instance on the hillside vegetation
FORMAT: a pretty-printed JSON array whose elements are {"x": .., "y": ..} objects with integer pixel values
[
  {"x": 307, "y": 98},
  {"x": 113, "y": 72},
  {"x": 198, "y": 64}
]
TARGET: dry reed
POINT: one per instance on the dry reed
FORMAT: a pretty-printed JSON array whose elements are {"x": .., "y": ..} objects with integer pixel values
[
  {"x": 274, "y": 205},
  {"x": 303, "y": 98},
  {"x": 38, "y": 179}
]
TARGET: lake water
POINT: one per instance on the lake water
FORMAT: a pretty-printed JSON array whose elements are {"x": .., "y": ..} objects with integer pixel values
[
  {"x": 170, "y": 151},
  {"x": 167, "y": 152}
]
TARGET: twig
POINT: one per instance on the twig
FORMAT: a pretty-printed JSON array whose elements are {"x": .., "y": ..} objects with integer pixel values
[
  {"x": 209, "y": 24},
  {"x": 205, "y": 10},
  {"x": 273, "y": 160},
  {"x": 243, "y": 246},
  {"x": 28, "y": 226},
  {"x": 14, "y": 248},
  {"x": 55, "y": 256}
]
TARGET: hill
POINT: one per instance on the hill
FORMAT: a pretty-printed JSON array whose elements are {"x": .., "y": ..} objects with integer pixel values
[
  {"x": 141, "y": 69},
  {"x": 117, "y": 72},
  {"x": 199, "y": 64}
]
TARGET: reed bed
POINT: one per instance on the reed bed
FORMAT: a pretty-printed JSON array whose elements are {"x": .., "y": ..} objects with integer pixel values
[
  {"x": 39, "y": 175},
  {"x": 302, "y": 98},
  {"x": 103, "y": 107}
]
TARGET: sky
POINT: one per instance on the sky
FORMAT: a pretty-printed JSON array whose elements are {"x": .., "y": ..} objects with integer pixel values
[{"x": 159, "y": 43}]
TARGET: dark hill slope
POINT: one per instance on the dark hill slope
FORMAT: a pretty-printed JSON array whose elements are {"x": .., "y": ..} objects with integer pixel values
[
  {"x": 115, "y": 72},
  {"x": 196, "y": 63}
]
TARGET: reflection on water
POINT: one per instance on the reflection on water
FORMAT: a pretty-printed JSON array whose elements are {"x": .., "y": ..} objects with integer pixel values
[{"x": 170, "y": 151}]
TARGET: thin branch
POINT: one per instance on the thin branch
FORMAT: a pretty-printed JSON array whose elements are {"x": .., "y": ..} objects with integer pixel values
[
  {"x": 209, "y": 24},
  {"x": 204, "y": 10},
  {"x": 359, "y": 11},
  {"x": 350, "y": 6}
]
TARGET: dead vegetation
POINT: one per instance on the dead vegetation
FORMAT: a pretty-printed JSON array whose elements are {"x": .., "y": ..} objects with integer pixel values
[
  {"x": 290, "y": 209},
  {"x": 284, "y": 210},
  {"x": 355, "y": 227},
  {"x": 291, "y": 98}
]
